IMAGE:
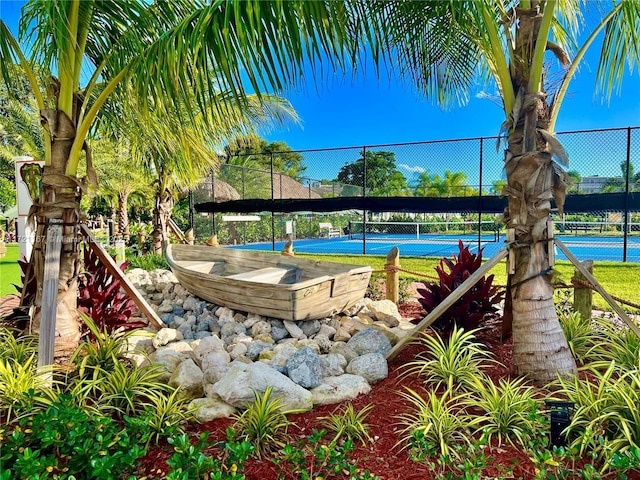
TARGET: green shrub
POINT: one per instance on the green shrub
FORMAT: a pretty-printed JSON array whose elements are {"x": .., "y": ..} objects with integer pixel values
[
  {"x": 189, "y": 462},
  {"x": 311, "y": 460},
  {"x": 148, "y": 262},
  {"x": 67, "y": 442},
  {"x": 264, "y": 423},
  {"x": 435, "y": 425},
  {"x": 349, "y": 424},
  {"x": 454, "y": 362},
  {"x": 505, "y": 410}
]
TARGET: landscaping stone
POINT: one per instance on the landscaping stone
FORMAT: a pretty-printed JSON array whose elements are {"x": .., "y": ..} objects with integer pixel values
[
  {"x": 371, "y": 366},
  {"x": 369, "y": 340},
  {"x": 241, "y": 380},
  {"x": 207, "y": 409},
  {"x": 303, "y": 367},
  {"x": 188, "y": 377},
  {"x": 339, "y": 389}
]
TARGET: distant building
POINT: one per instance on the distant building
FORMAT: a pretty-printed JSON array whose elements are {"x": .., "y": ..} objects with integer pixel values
[{"x": 595, "y": 183}]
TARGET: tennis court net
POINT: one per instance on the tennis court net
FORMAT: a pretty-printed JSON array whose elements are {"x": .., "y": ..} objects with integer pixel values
[{"x": 488, "y": 230}]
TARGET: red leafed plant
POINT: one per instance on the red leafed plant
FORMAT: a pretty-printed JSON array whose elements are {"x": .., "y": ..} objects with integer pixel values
[
  {"x": 469, "y": 311},
  {"x": 99, "y": 296}
]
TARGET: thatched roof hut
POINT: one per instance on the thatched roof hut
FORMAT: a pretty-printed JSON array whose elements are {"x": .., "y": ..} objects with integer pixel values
[{"x": 286, "y": 187}]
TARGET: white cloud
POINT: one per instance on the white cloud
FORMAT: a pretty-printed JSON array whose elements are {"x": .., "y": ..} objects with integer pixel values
[{"x": 415, "y": 169}]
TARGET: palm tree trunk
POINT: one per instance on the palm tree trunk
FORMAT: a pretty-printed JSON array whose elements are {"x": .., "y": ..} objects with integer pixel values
[
  {"x": 59, "y": 199},
  {"x": 540, "y": 350},
  {"x": 123, "y": 215},
  {"x": 161, "y": 215}
]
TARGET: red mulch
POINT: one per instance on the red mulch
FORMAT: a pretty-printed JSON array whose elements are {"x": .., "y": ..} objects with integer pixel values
[{"x": 382, "y": 457}]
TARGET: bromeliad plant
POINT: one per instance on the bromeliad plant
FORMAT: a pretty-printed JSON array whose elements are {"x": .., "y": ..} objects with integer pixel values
[{"x": 469, "y": 311}]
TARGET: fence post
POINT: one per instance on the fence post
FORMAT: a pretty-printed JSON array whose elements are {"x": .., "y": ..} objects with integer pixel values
[
  {"x": 392, "y": 281},
  {"x": 582, "y": 296},
  {"x": 627, "y": 214}
]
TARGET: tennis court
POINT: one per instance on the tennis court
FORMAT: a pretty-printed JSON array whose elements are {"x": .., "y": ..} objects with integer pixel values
[{"x": 601, "y": 248}]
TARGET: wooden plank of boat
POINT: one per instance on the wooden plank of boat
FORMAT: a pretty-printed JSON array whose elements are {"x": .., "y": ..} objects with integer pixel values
[
  {"x": 267, "y": 275},
  {"x": 293, "y": 289}
]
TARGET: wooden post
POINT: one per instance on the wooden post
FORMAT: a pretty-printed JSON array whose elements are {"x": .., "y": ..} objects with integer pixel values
[
  {"x": 583, "y": 296},
  {"x": 447, "y": 302},
  {"x": 190, "y": 237},
  {"x": 598, "y": 288},
  {"x": 47, "y": 337},
  {"x": 392, "y": 281}
]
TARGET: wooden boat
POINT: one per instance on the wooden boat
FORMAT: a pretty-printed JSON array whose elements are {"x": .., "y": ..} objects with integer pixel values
[{"x": 289, "y": 288}]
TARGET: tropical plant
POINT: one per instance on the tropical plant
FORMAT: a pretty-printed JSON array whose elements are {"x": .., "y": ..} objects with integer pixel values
[
  {"x": 166, "y": 414},
  {"x": 453, "y": 362},
  {"x": 176, "y": 158},
  {"x": 264, "y": 423},
  {"x": 453, "y": 184},
  {"x": 101, "y": 351},
  {"x": 16, "y": 346},
  {"x": 348, "y": 424},
  {"x": 128, "y": 390},
  {"x": 606, "y": 419},
  {"x": 435, "y": 424},
  {"x": 579, "y": 332},
  {"x": 191, "y": 462},
  {"x": 505, "y": 410},
  {"x": 100, "y": 297},
  {"x": 163, "y": 54},
  {"x": 469, "y": 310},
  {"x": 614, "y": 344},
  {"x": 22, "y": 384},
  {"x": 504, "y": 44}
]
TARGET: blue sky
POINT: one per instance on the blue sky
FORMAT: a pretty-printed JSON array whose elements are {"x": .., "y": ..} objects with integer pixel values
[{"x": 367, "y": 111}]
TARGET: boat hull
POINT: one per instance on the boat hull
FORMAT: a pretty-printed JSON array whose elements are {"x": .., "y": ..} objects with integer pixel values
[{"x": 276, "y": 286}]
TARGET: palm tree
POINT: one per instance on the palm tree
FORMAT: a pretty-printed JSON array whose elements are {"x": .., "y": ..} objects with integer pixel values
[
  {"x": 444, "y": 47},
  {"x": 180, "y": 157},
  {"x": 119, "y": 179},
  {"x": 166, "y": 52}
]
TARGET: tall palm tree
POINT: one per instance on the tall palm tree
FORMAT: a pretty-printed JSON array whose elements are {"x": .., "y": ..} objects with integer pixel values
[
  {"x": 445, "y": 47},
  {"x": 167, "y": 53},
  {"x": 180, "y": 157},
  {"x": 119, "y": 178}
]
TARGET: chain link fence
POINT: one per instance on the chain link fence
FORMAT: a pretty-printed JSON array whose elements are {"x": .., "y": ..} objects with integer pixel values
[{"x": 448, "y": 189}]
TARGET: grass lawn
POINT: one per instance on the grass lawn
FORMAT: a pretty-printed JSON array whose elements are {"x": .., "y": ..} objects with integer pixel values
[
  {"x": 619, "y": 279},
  {"x": 10, "y": 270}
]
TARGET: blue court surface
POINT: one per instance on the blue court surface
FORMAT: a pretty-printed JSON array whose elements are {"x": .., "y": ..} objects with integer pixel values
[{"x": 601, "y": 248}]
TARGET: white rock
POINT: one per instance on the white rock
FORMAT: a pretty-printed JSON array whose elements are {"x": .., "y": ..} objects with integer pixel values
[
  {"x": 188, "y": 377},
  {"x": 208, "y": 345},
  {"x": 241, "y": 380},
  {"x": 294, "y": 330},
  {"x": 382, "y": 309},
  {"x": 339, "y": 389},
  {"x": 237, "y": 350},
  {"x": 215, "y": 365},
  {"x": 207, "y": 409},
  {"x": 168, "y": 360},
  {"x": 166, "y": 335}
]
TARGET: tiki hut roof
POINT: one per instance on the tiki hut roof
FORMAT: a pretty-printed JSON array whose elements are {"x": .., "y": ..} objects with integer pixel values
[
  {"x": 223, "y": 191},
  {"x": 286, "y": 187}
]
